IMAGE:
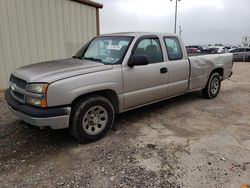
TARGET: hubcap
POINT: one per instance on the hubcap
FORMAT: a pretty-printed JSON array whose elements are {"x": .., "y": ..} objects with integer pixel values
[
  {"x": 95, "y": 120},
  {"x": 215, "y": 85}
]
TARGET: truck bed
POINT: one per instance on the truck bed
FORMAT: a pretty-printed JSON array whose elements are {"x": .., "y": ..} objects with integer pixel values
[{"x": 201, "y": 65}]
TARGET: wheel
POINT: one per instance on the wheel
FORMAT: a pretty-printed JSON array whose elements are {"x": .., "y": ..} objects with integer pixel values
[
  {"x": 212, "y": 88},
  {"x": 91, "y": 118}
]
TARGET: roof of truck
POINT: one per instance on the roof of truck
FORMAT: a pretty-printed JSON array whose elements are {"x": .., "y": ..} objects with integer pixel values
[{"x": 138, "y": 34}]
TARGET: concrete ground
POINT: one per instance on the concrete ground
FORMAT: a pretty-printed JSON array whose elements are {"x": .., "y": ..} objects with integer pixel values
[{"x": 187, "y": 141}]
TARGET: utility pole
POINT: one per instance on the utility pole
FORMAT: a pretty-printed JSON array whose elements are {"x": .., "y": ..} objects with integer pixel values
[{"x": 175, "y": 17}]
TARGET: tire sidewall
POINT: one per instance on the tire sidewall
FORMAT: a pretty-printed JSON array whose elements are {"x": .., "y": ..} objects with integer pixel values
[
  {"x": 83, "y": 107},
  {"x": 213, "y": 76}
]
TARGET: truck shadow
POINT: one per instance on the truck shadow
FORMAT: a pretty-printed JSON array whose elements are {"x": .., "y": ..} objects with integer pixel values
[{"x": 134, "y": 115}]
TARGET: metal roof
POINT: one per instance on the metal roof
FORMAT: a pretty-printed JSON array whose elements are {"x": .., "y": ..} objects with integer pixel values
[{"x": 90, "y": 3}]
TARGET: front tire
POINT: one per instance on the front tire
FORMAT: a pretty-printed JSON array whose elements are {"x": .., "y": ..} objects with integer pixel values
[
  {"x": 91, "y": 118},
  {"x": 212, "y": 88}
]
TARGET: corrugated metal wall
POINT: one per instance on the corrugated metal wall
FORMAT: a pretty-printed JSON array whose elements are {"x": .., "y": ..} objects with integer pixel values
[{"x": 32, "y": 31}]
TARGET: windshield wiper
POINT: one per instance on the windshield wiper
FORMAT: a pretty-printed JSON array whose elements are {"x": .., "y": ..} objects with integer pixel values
[
  {"x": 76, "y": 57},
  {"x": 93, "y": 59}
]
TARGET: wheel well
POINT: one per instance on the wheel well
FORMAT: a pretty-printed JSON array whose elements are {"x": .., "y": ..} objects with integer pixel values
[
  {"x": 108, "y": 94},
  {"x": 218, "y": 70}
]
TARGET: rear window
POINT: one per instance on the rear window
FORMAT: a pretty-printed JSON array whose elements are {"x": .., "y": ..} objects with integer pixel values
[{"x": 173, "y": 47}]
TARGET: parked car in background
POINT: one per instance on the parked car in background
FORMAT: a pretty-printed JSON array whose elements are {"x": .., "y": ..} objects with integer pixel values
[
  {"x": 241, "y": 54},
  {"x": 228, "y": 48},
  {"x": 222, "y": 49},
  {"x": 217, "y": 49},
  {"x": 192, "y": 50}
]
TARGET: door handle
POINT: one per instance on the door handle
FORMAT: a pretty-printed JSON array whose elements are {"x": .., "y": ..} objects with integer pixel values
[{"x": 163, "y": 70}]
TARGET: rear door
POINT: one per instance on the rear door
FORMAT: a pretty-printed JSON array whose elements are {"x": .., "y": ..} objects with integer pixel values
[
  {"x": 178, "y": 67},
  {"x": 147, "y": 83}
]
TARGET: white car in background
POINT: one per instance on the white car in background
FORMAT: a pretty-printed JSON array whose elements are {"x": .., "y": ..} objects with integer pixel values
[{"x": 218, "y": 49}]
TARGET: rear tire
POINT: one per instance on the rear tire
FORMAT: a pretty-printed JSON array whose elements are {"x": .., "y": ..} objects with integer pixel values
[
  {"x": 212, "y": 88},
  {"x": 91, "y": 118}
]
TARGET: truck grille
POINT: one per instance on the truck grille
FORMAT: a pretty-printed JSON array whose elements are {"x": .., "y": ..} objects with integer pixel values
[
  {"x": 19, "y": 95},
  {"x": 22, "y": 84},
  {"x": 19, "y": 82}
]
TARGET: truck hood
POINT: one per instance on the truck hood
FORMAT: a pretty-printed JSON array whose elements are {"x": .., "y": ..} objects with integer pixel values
[{"x": 58, "y": 69}]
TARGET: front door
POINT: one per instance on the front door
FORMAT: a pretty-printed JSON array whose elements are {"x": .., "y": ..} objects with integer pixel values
[{"x": 147, "y": 83}]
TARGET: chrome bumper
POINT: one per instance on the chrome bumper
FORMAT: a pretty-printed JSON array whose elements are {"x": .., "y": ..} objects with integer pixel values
[{"x": 58, "y": 122}]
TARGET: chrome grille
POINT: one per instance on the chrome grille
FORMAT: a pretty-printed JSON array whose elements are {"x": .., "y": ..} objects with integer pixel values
[
  {"x": 17, "y": 88},
  {"x": 19, "y": 95},
  {"x": 19, "y": 82}
]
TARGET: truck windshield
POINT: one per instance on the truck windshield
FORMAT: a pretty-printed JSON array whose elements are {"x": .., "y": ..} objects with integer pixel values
[{"x": 108, "y": 50}]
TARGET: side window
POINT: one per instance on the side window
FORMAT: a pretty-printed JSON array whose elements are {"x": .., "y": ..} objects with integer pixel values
[
  {"x": 150, "y": 48},
  {"x": 173, "y": 48}
]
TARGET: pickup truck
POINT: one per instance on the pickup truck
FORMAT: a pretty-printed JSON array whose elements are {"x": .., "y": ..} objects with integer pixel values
[{"x": 112, "y": 73}]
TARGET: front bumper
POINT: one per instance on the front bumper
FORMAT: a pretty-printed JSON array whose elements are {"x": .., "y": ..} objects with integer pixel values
[{"x": 56, "y": 118}]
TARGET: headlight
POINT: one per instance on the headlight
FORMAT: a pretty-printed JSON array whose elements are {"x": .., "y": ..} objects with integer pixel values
[
  {"x": 36, "y": 102},
  {"x": 38, "y": 88}
]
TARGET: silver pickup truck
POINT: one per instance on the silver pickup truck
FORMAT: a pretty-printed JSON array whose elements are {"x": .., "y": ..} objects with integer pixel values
[{"x": 111, "y": 74}]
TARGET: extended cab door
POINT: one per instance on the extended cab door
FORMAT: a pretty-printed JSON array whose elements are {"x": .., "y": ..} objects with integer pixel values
[
  {"x": 178, "y": 67},
  {"x": 146, "y": 83}
]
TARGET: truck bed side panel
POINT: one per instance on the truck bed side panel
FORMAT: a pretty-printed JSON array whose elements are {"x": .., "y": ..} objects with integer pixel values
[{"x": 202, "y": 66}]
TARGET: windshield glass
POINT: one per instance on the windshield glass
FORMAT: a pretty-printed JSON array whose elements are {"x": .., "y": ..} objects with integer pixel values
[{"x": 108, "y": 50}]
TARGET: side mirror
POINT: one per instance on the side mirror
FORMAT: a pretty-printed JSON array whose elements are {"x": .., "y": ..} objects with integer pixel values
[{"x": 138, "y": 60}]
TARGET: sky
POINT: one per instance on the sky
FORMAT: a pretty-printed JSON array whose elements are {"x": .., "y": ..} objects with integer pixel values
[{"x": 202, "y": 21}]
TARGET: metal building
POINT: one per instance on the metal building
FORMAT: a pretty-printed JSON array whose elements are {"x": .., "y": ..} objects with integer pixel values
[{"x": 33, "y": 31}]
